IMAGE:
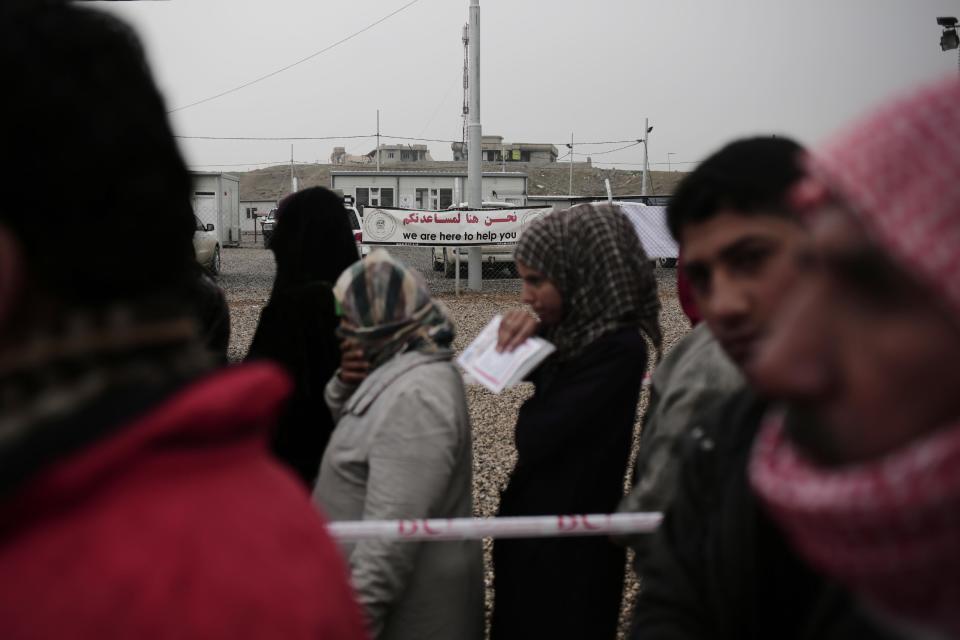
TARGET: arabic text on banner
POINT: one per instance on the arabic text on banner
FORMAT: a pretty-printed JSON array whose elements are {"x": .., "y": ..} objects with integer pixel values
[{"x": 458, "y": 228}]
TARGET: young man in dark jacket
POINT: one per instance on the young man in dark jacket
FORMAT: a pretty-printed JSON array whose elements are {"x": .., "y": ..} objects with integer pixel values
[
  {"x": 137, "y": 497},
  {"x": 718, "y": 567}
]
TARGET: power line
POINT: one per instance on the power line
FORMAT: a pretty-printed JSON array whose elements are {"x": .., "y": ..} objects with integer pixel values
[
  {"x": 408, "y": 138},
  {"x": 301, "y": 61},
  {"x": 273, "y": 138},
  {"x": 245, "y": 164},
  {"x": 600, "y": 153},
  {"x": 640, "y": 164},
  {"x": 443, "y": 101}
]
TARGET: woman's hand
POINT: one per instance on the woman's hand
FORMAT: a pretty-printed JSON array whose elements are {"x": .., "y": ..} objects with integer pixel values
[
  {"x": 517, "y": 325},
  {"x": 353, "y": 365}
]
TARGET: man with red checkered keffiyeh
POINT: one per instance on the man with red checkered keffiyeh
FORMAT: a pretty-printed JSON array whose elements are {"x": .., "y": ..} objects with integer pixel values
[
  {"x": 841, "y": 517},
  {"x": 862, "y": 470}
]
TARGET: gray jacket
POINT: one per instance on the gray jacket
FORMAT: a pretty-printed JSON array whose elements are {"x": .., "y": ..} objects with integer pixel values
[
  {"x": 402, "y": 449},
  {"x": 694, "y": 377}
]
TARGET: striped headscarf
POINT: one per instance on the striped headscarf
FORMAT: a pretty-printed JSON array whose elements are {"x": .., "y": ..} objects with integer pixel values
[
  {"x": 390, "y": 310},
  {"x": 592, "y": 255}
]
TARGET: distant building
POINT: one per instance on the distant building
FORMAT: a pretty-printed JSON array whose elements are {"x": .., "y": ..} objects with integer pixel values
[
  {"x": 425, "y": 189},
  {"x": 389, "y": 154},
  {"x": 250, "y": 210},
  {"x": 496, "y": 150},
  {"x": 216, "y": 201}
]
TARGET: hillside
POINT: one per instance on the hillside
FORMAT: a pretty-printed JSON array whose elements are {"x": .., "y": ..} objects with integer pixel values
[{"x": 272, "y": 183}]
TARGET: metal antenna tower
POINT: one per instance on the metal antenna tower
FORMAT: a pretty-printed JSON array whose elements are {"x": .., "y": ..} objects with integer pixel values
[{"x": 466, "y": 87}]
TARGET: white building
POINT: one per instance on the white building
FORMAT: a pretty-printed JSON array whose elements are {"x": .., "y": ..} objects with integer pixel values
[
  {"x": 496, "y": 150},
  {"x": 216, "y": 201},
  {"x": 426, "y": 189},
  {"x": 250, "y": 209}
]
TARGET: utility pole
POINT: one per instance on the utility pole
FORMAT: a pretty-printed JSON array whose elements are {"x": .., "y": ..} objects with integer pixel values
[
  {"x": 293, "y": 178},
  {"x": 571, "y": 165},
  {"x": 378, "y": 140},
  {"x": 474, "y": 166},
  {"x": 645, "y": 189}
]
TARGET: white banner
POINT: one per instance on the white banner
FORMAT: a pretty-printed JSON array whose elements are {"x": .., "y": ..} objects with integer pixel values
[
  {"x": 477, "y": 528},
  {"x": 457, "y": 228}
]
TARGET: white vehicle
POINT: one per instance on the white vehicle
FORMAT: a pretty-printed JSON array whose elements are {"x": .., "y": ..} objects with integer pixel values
[
  {"x": 206, "y": 245},
  {"x": 445, "y": 258},
  {"x": 355, "y": 224}
]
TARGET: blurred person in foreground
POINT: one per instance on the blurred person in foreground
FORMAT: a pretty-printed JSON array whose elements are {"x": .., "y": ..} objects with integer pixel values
[
  {"x": 587, "y": 278},
  {"x": 862, "y": 472},
  {"x": 213, "y": 313},
  {"x": 718, "y": 567},
  {"x": 313, "y": 244},
  {"x": 137, "y": 498},
  {"x": 739, "y": 242},
  {"x": 402, "y": 449}
]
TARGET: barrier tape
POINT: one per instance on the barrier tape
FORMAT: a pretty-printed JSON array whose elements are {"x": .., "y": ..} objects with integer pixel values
[{"x": 477, "y": 528}]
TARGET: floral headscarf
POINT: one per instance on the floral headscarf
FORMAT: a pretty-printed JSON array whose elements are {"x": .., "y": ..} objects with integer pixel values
[{"x": 389, "y": 309}]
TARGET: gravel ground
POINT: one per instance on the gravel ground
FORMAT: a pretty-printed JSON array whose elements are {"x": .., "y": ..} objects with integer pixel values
[{"x": 248, "y": 277}]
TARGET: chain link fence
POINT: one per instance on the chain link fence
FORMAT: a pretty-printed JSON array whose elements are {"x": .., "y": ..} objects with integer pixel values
[{"x": 438, "y": 266}]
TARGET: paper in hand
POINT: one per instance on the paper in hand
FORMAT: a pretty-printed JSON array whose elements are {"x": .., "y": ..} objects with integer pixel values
[{"x": 497, "y": 371}]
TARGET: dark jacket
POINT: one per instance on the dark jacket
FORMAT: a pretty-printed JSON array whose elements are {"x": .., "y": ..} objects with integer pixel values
[
  {"x": 573, "y": 440},
  {"x": 719, "y": 567},
  {"x": 174, "y": 523},
  {"x": 214, "y": 315},
  {"x": 297, "y": 331}
]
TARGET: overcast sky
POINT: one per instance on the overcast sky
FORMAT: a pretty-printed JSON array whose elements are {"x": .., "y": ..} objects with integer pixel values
[{"x": 703, "y": 71}]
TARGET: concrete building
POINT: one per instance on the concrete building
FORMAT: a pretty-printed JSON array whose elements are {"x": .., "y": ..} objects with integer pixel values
[
  {"x": 496, "y": 150},
  {"x": 250, "y": 209},
  {"x": 425, "y": 189},
  {"x": 216, "y": 201},
  {"x": 390, "y": 154}
]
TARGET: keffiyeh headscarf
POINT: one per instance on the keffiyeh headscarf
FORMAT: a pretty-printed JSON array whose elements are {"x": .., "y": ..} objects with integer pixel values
[
  {"x": 887, "y": 529},
  {"x": 389, "y": 309},
  {"x": 594, "y": 257}
]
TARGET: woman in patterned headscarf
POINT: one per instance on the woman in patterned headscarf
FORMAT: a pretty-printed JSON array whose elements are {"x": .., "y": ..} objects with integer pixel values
[
  {"x": 401, "y": 450},
  {"x": 592, "y": 287}
]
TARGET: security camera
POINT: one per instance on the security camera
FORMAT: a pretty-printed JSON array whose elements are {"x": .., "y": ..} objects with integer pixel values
[{"x": 947, "y": 22}]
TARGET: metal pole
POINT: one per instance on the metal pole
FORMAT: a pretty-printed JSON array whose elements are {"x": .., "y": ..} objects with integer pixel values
[
  {"x": 474, "y": 167},
  {"x": 645, "y": 189},
  {"x": 378, "y": 140},
  {"x": 571, "y": 164}
]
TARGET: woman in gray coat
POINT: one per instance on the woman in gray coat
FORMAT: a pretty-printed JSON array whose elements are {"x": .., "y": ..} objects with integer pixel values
[{"x": 401, "y": 450}]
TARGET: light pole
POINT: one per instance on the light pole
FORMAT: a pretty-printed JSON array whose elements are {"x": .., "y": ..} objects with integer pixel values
[
  {"x": 949, "y": 38},
  {"x": 645, "y": 185}
]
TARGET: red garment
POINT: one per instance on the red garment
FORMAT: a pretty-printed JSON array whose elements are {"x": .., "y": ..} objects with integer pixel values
[
  {"x": 179, "y": 525},
  {"x": 898, "y": 170},
  {"x": 888, "y": 529}
]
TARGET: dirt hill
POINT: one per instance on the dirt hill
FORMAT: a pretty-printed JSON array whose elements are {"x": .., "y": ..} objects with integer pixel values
[{"x": 272, "y": 183}]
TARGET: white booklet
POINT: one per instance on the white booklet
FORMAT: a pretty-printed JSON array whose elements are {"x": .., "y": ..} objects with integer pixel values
[{"x": 497, "y": 371}]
